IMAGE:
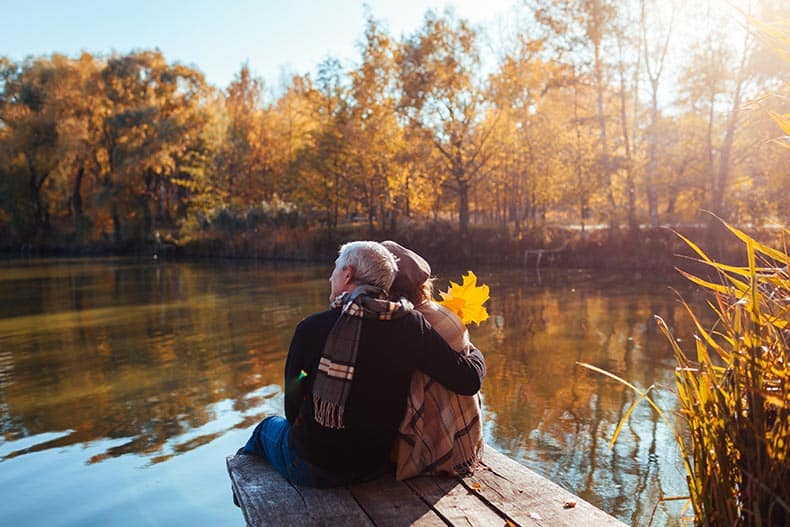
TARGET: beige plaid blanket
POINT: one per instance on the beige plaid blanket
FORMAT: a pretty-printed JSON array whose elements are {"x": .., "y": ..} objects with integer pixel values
[{"x": 441, "y": 432}]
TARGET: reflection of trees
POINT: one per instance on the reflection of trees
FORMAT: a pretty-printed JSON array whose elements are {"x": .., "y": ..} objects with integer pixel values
[
  {"x": 164, "y": 358},
  {"x": 558, "y": 417},
  {"x": 144, "y": 353}
]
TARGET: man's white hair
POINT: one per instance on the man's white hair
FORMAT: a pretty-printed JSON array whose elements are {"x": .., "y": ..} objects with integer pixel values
[{"x": 373, "y": 264}]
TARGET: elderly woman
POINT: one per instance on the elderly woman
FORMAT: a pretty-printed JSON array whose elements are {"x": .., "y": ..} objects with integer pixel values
[{"x": 441, "y": 431}]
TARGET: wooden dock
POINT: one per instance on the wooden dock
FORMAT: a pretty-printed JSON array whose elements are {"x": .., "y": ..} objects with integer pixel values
[{"x": 500, "y": 493}]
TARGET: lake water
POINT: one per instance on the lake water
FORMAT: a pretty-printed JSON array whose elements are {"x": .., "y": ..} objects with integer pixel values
[{"x": 125, "y": 383}]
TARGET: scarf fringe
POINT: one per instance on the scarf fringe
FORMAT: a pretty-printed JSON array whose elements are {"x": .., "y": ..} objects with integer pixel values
[{"x": 327, "y": 413}]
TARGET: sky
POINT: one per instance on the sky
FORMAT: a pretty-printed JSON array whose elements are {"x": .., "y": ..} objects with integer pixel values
[{"x": 272, "y": 36}]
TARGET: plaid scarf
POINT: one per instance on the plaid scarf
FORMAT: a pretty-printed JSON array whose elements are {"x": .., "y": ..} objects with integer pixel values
[{"x": 336, "y": 368}]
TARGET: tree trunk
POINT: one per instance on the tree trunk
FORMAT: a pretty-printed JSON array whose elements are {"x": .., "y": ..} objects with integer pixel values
[
  {"x": 720, "y": 182},
  {"x": 716, "y": 231},
  {"x": 148, "y": 220},
  {"x": 371, "y": 217},
  {"x": 76, "y": 195},
  {"x": 34, "y": 183},
  {"x": 630, "y": 183},
  {"x": 577, "y": 158},
  {"x": 407, "y": 199},
  {"x": 633, "y": 226},
  {"x": 335, "y": 206},
  {"x": 605, "y": 169},
  {"x": 650, "y": 173},
  {"x": 116, "y": 223},
  {"x": 76, "y": 201},
  {"x": 463, "y": 209},
  {"x": 393, "y": 221},
  {"x": 654, "y": 72}
]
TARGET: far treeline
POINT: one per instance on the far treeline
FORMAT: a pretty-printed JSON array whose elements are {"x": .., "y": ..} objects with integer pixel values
[{"x": 583, "y": 124}]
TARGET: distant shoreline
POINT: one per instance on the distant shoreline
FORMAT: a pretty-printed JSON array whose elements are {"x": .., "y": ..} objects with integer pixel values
[{"x": 651, "y": 249}]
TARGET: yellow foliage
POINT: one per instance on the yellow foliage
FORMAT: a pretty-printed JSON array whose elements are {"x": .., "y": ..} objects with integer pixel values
[
  {"x": 467, "y": 300},
  {"x": 735, "y": 404},
  {"x": 783, "y": 121}
]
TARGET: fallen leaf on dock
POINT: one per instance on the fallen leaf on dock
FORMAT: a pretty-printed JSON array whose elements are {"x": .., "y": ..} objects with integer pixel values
[
  {"x": 568, "y": 504},
  {"x": 476, "y": 485}
]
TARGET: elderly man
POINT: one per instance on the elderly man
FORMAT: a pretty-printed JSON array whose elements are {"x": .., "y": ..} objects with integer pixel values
[{"x": 348, "y": 373}]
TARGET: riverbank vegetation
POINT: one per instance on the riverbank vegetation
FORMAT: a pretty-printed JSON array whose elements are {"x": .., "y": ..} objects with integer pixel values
[
  {"x": 733, "y": 391},
  {"x": 582, "y": 134}
]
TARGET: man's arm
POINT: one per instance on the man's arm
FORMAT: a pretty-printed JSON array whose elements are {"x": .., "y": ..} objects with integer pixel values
[
  {"x": 303, "y": 355},
  {"x": 294, "y": 380},
  {"x": 459, "y": 372}
]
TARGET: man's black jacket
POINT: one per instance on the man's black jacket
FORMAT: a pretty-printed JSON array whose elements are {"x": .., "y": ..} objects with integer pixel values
[{"x": 389, "y": 352}]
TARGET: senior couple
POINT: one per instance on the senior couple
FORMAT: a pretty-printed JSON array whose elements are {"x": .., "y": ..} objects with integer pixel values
[{"x": 384, "y": 379}]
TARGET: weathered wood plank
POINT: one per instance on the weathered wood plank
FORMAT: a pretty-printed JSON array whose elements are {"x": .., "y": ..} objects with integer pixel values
[
  {"x": 454, "y": 502},
  {"x": 255, "y": 482},
  {"x": 331, "y": 507},
  {"x": 530, "y": 499},
  {"x": 391, "y": 503},
  {"x": 269, "y": 499},
  {"x": 500, "y": 491}
]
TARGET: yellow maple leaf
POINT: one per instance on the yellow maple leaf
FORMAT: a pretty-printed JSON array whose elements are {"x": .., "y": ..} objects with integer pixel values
[{"x": 467, "y": 300}]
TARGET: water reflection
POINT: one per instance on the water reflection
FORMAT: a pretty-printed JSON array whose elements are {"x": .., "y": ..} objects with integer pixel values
[
  {"x": 141, "y": 352},
  {"x": 557, "y": 417},
  {"x": 157, "y": 360}
]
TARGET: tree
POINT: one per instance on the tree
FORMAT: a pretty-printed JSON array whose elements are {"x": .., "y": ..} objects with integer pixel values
[
  {"x": 440, "y": 94},
  {"x": 628, "y": 61},
  {"x": 375, "y": 135},
  {"x": 241, "y": 162},
  {"x": 323, "y": 164},
  {"x": 148, "y": 122},
  {"x": 521, "y": 90},
  {"x": 32, "y": 138},
  {"x": 655, "y": 53},
  {"x": 293, "y": 126},
  {"x": 580, "y": 33}
]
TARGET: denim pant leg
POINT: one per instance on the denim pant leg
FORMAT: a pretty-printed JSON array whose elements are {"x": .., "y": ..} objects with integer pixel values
[{"x": 270, "y": 440}]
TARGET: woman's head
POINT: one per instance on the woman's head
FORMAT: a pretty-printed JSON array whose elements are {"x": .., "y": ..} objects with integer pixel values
[{"x": 413, "y": 279}]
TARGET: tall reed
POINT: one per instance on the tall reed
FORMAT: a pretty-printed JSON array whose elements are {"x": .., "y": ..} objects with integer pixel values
[{"x": 734, "y": 392}]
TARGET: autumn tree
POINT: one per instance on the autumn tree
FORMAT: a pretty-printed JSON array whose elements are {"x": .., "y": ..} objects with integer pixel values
[
  {"x": 680, "y": 180},
  {"x": 583, "y": 35},
  {"x": 148, "y": 121},
  {"x": 441, "y": 93},
  {"x": 628, "y": 67},
  {"x": 323, "y": 165},
  {"x": 292, "y": 121},
  {"x": 374, "y": 132},
  {"x": 587, "y": 117},
  {"x": 521, "y": 90},
  {"x": 714, "y": 84},
  {"x": 241, "y": 164},
  {"x": 656, "y": 36},
  {"x": 31, "y": 137}
]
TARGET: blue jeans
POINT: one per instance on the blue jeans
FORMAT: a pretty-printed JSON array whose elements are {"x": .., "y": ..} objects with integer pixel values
[{"x": 270, "y": 440}]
